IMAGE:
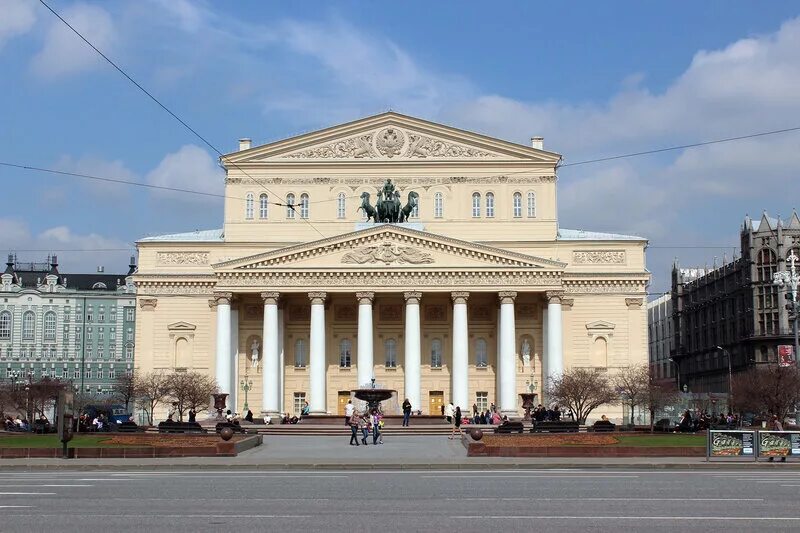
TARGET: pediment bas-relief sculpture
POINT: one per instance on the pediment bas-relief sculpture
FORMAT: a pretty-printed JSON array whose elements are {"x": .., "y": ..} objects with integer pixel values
[{"x": 387, "y": 253}]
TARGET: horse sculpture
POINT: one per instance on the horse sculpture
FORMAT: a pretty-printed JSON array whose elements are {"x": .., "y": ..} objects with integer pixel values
[
  {"x": 388, "y": 208},
  {"x": 369, "y": 211},
  {"x": 413, "y": 200}
]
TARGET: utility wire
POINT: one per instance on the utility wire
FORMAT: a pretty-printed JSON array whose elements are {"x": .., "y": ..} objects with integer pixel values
[{"x": 165, "y": 108}]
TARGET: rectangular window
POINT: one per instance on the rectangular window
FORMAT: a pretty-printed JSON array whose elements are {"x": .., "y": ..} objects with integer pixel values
[
  {"x": 129, "y": 314},
  {"x": 476, "y": 205},
  {"x": 64, "y": 374},
  {"x": 89, "y": 352},
  {"x": 531, "y": 205},
  {"x": 102, "y": 317},
  {"x": 482, "y": 401},
  {"x": 89, "y": 317},
  {"x": 112, "y": 335},
  {"x": 129, "y": 351},
  {"x": 101, "y": 334},
  {"x": 89, "y": 334},
  {"x": 438, "y": 205},
  {"x": 129, "y": 336},
  {"x": 112, "y": 351},
  {"x": 299, "y": 402},
  {"x": 100, "y": 352},
  {"x": 76, "y": 374},
  {"x": 88, "y": 374},
  {"x": 489, "y": 205},
  {"x": 99, "y": 373},
  {"x": 113, "y": 317},
  {"x": 112, "y": 374}
]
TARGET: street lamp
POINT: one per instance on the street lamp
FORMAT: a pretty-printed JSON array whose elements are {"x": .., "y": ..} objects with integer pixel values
[
  {"x": 730, "y": 373},
  {"x": 677, "y": 371},
  {"x": 246, "y": 385},
  {"x": 791, "y": 279}
]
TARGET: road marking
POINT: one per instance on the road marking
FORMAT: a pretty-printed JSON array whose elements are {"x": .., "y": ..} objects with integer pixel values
[
  {"x": 232, "y": 476},
  {"x": 598, "y": 476},
  {"x": 790, "y": 485},
  {"x": 15, "y": 506},
  {"x": 660, "y": 518},
  {"x": 27, "y": 493},
  {"x": 49, "y": 485},
  {"x": 620, "y": 500}
]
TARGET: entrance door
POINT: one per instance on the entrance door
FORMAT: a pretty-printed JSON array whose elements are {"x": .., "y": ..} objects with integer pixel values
[
  {"x": 344, "y": 397},
  {"x": 436, "y": 402}
]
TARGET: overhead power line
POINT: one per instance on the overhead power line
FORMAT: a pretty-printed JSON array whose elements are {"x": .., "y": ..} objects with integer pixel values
[{"x": 162, "y": 106}]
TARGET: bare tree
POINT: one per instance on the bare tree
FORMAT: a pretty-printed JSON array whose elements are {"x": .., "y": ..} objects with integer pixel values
[
  {"x": 124, "y": 389},
  {"x": 632, "y": 383},
  {"x": 10, "y": 399},
  {"x": 190, "y": 390},
  {"x": 152, "y": 389},
  {"x": 659, "y": 395},
  {"x": 766, "y": 389},
  {"x": 43, "y": 394},
  {"x": 582, "y": 390}
]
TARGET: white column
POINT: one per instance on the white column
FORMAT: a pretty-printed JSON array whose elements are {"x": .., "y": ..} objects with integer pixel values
[
  {"x": 545, "y": 363},
  {"x": 365, "y": 347},
  {"x": 234, "y": 397},
  {"x": 555, "y": 347},
  {"x": 413, "y": 353},
  {"x": 508, "y": 354},
  {"x": 223, "y": 354},
  {"x": 460, "y": 370},
  {"x": 270, "y": 380},
  {"x": 496, "y": 399},
  {"x": 318, "y": 400},
  {"x": 281, "y": 363}
]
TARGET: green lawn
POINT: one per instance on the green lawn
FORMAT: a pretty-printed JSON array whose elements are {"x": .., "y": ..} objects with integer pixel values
[
  {"x": 51, "y": 441},
  {"x": 662, "y": 440}
]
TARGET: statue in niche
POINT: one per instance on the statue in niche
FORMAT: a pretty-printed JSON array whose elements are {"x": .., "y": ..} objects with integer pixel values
[
  {"x": 254, "y": 353},
  {"x": 526, "y": 354}
]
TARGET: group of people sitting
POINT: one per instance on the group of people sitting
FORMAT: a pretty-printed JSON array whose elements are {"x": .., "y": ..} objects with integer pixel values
[
  {"x": 99, "y": 422},
  {"x": 703, "y": 421},
  {"x": 16, "y": 424},
  {"x": 544, "y": 414}
]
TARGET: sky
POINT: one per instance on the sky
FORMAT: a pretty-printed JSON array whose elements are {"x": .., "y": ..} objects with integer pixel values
[{"x": 595, "y": 79}]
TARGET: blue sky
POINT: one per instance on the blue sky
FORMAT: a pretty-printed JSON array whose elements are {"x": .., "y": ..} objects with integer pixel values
[{"x": 593, "y": 78}]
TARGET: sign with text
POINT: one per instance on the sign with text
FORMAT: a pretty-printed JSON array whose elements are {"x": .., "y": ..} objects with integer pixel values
[
  {"x": 778, "y": 443},
  {"x": 731, "y": 443},
  {"x": 785, "y": 354}
]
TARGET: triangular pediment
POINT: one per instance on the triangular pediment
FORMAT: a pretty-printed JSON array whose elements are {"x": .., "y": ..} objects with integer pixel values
[
  {"x": 388, "y": 246},
  {"x": 600, "y": 325},
  {"x": 390, "y": 137},
  {"x": 181, "y": 326}
]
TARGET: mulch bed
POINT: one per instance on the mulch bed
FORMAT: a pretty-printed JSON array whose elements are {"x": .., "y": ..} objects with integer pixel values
[
  {"x": 542, "y": 441},
  {"x": 167, "y": 440}
]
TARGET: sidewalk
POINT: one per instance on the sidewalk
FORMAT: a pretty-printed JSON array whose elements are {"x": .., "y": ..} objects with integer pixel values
[{"x": 398, "y": 453}]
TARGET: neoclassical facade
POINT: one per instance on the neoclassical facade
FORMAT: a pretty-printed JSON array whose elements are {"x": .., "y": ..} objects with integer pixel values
[{"x": 475, "y": 297}]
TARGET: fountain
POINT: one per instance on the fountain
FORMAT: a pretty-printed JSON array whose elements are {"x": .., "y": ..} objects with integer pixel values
[
  {"x": 373, "y": 396},
  {"x": 528, "y": 401}
]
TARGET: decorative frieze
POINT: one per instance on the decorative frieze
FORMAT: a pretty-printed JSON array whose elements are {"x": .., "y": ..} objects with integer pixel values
[
  {"x": 182, "y": 258},
  {"x": 387, "y": 253},
  {"x": 599, "y": 257},
  {"x": 401, "y": 182},
  {"x": 390, "y": 312},
  {"x": 435, "y": 313}
]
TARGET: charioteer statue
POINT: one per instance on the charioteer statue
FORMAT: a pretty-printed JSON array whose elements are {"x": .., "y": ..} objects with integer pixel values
[{"x": 388, "y": 206}]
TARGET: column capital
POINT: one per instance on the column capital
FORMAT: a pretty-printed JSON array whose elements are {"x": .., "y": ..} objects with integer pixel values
[
  {"x": 412, "y": 297},
  {"x": 222, "y": 298},
  {"x": 317, "y": 297},
  {"x": 634, "y": 303},
  {"x": 365, "y": 297},
  {"x": 271, "y": 297},
  {"x": 507, "y": 297},
  {"x": 148, "y": 304},
  {"x": 554, "y": 297},
  {"x": 460, "y": 297}
]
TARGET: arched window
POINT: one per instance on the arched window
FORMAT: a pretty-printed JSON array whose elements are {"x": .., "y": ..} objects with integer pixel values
[
  {"x": 300, "y": 353},
  {"x": 415, "y": 210},
  {"x": 290, "y": 205},
  {"x": 436, "y": 353},
  {"x": 766, "y": 264},
  {"x": 531, "y": 204},
  {"x": 345, "y": 348},
  {"x": 248, "y": 206},
  {"x": 304, "y": 205},
  {"x": 28, "y": 326},
  {"x": 263, "y": 206},
  {"x": 50, "y": 326},
  {"x": 5, "y": 325},
  {"x": 476, "y": 205},
  {"x": 490, "y": 204},
  {"x": 390, "y": 351},
  {"x": 481, "y": 357},
  {"x": 517, "y": 203},
  {"x": 438, "y": 205},
  {"x": 340, "y": 205}
]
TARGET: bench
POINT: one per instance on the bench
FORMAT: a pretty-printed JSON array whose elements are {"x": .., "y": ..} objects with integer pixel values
[
  {"x": 235, "y": 427},
  {"x": 510, "y": 427},
  {"x": 180, "y": 427},
  {"x": 555, "y": 427},
  {"x": 128, "y": 427},
  {"x": 602, "y": 427},
  {"x": 41, "y": 426}
]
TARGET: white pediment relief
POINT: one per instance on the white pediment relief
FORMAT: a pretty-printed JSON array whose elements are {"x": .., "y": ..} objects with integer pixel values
[
  {"x": 388, "y": 246},
  {"x": 181, "y": 326},
  {"x": 392, "y": 143}
]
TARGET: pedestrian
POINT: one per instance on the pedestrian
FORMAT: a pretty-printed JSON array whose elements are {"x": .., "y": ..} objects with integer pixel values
[
  {"x": 192, "y": 415},
  {"x": 776, "y": 424},
  {"x": 353, "y": 421},
  {"x": 456, "y": 423},
  {"x": 249, "y": 417},
  {"x": 406, "y": 412},
  {"x": 349, "y": 409},
  {"x": 448, "y": 412},
  {"x": 376, "y": 428},
  {"x": 363, "y": 423}
]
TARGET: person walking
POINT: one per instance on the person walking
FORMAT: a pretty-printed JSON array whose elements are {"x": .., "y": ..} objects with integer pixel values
[
  {"x": 376, "y": 427},
  {"x": 406, "y": 412},
  {"x": 448, "y": 413},
  {"x": 363, "y": 423},
  {"x": 353, "y": 421},
  {"x": 349, "y": 409},
  {"x": 456, "y": 423}
]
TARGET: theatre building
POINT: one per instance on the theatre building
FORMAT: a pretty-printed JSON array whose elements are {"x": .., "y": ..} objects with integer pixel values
[{"x": 426, "y": 257}]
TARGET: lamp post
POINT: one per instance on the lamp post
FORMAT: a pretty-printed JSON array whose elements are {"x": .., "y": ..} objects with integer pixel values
[
  {"x": 246, "y": 384},
  {"x": 677, "y": 371},
  {"x": 730, "y": 373},
  {"x": 791, "y": 279}
]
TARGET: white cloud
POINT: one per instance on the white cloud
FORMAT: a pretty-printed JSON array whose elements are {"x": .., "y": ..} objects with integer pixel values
[
  {"x": 65, "y": 53},
  {"x": 77, "y": 253},
  {"x": 190, "y": 168},
  {"x": 18, "y": 17}
]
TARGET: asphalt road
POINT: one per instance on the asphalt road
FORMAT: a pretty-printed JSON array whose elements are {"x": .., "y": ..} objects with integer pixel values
[{"x": 333, "y": 501}]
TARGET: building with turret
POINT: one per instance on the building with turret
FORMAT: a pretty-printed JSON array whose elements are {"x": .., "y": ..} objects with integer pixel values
[
  {"x": 731, "y": 317},
  {"x": 73, "y": 327}
]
